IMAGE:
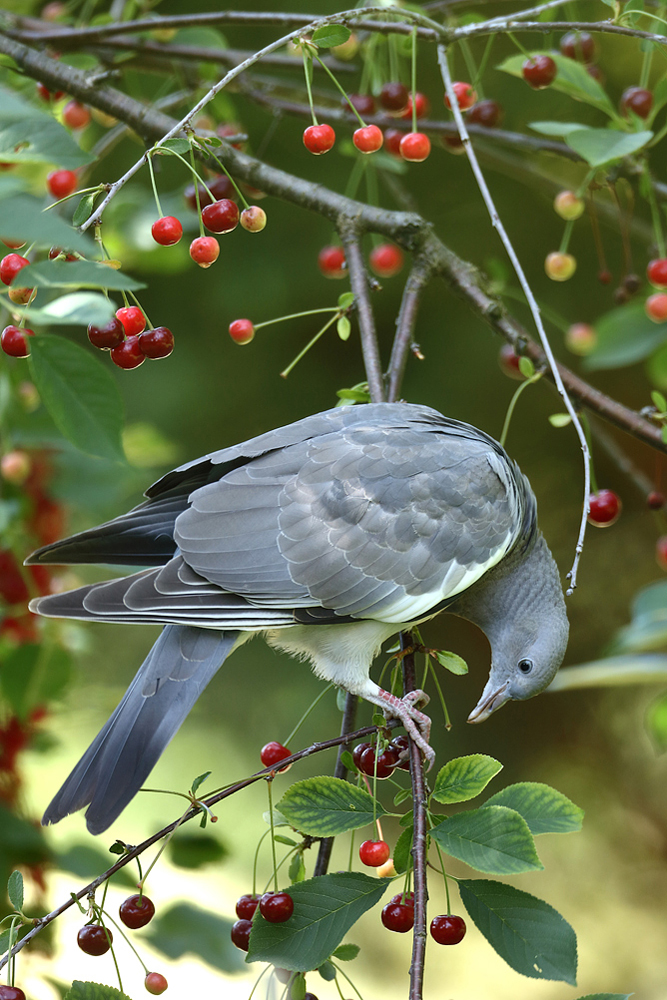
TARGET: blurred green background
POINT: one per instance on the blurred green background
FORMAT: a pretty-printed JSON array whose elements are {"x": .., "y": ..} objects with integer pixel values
[{"x": 610, "y": 881}]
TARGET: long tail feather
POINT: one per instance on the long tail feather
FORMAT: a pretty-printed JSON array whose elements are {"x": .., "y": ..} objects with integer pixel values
[{"x": 120, "y": 758}]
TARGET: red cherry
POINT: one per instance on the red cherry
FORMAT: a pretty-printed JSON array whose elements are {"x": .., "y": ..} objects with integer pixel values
[
  {"x": 394, "y": 96},
  {"x": 363, "y": 103},
  {"x": 49, "y": 95},
  {"x": 10, "y": 267},
  {"x": 368, "y": 139},
  {"x": 656, "y": 272},
  {"x": 13, "y": 341},
  {"x": 128, "y": 354},
  {"x": 246, "y": 906},
  {"x": 539, "y": 71},
  {"x": 359, "y": 750},
  {"x": 374, "y": 853},
  {"x": 487, "y": 113},
  {"x": 228, "y": 129},
  {"x": 382, "y": 766},
  {"x": 661, "y": 552},
  {"x": 14, "y": 244},
  {"x": 13, "y": 588},
  {"x": 204, "y": 197},
  {"x": 61, "y": 182},
  {"x": 241, "y": 331},
  {"x": 465, "y": 95},
  {"x": 655, "y": 500},
  {"x": 605, "y": 508},
  {"x": 319, "y": 139},
  {"x": 76, "y": 115},
  {"x": 386, "y": 260},
  {"x": 167, "y": 231},
  {"x": 136, "y": 911},
  {"x": 157, "y": 343},
  {"x": 398, "y": 917},
  {"x": 276, "y": 907},
  {"x": 454, "y": 144},
  {"x": 204, "y": 250},
  {"x": 448, "y": 929},
  {"x": 155, "y": 983},
  {"x": 240, "y": 934},
  {"x": 509, "y": 362},
  {"x": 221, "y": 187},
  {"x": 94, "y": 939},
  {"x": 273, "y": 753},
  {"x": 578, "y": 45},
  {"x": 637, "y": 99},
  {"x": 415, "y": 146},
  {"x": 253, "y": 219},
  {"x": 221, "y": 217},
  {"x": 105, "y": 337},
  {"x": 331, "y": 262},
  {"x": 406, "y": 898},
  {"x": 56, "y": 252},
  {"x": 392, "y": 141},
  {"x": 401, "y": 744},
  {"x": 11, "y": 993},
  {"x": 422, "y": 106},
  {"x": 656, "y": 307},
  {"x": 132, "y": 318}
]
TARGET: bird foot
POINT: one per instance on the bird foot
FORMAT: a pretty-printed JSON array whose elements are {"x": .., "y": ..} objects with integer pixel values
[{"x": 407, "y": 711}]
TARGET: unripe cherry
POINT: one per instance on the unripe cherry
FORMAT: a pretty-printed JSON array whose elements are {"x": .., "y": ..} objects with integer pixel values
[
  {"x": 581, "y": 338},
  {"x": 241, "y": 331},
  {"x": 560, "y": 266},
  {"x": 20, "y": 296},
  {"x": 253, "y": 219},
  {"x": 568, "y": 205},
  {"x": 15, "y": 467},
  {"x": 14, "y": 244}
]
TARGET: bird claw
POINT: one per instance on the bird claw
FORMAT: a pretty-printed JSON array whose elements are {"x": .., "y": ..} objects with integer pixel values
[{"x": 416, "y": 724}]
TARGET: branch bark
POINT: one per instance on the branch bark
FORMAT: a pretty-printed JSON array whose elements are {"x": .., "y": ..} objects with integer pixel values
[{"x": 405, "y": 325}]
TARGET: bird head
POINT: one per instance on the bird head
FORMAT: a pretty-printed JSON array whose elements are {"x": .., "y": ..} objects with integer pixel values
[{"x": 520, "y": 607}]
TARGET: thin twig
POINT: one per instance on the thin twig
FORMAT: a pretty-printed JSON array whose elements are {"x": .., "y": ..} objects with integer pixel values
[
  {"x": 419, "y": 802},
  {"x": 41, "y": 922},
  {"x": 532, "y": 304},
  {"x": 405, "y": 324},
  {"x": 512, "y": 23},
  {"x": 349, "y": 234},
  {"x": 346, "y": 726}
]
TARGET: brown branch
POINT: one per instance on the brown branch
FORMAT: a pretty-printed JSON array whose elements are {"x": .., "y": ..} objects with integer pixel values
[
  {"x": 419, "y": 802},
  {"x": 347, "y": 724},
  {"x": 349, "y": 234},
  {"x": 405, "y": 324},
  {"x": 41, "y": 922},
  {"x": 597, "y": 27},
  {"x": 409, "y": 230}
]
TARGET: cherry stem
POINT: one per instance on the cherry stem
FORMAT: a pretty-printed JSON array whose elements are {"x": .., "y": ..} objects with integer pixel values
[
  {"x": 127, "y": 940},
  {"x": 198, "y": 177},
  {"x": 443, "y": 703},
  {"x": 518, "y": 44},
  {"x": 444, "y": 874},
  {"x": 149, "y": 160},
  {"x": 259, "y": 979},
  {"x": 145, "y": 314},
  {"x": 309, "y": 312},
  {"x": 413, "y": 71},
  {"x": 307, "y": 66},
  {"x": 513, "y": 402},
  {"x": 307, "y": 712},
  {"x": 254, "y": 867},
  {"x": 343, "y": 92},
  {"x": 74, "y": 194},
  {"x": 354, "y": 179},
  {"x": 269, "y": 785},
  {"x": 347, "y": 978},
  {"x": 197, "y": 199},
  {"x": 482, "y": 66},
  {"x": 311, "y": 343},
  {"x": 656, "y": 218},
  {"x": 567, "y": 233},
  {"x": 229, "y": 176}
]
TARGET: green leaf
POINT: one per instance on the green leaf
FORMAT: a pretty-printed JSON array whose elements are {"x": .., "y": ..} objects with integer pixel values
[
  {"x": 75, "y": 274},
  {"x": 328, "y": 971},
  {"x": 176, "y": 145},
  {"x": 493, "y": 839},
  {"x": 607, "y": 996},
  {"x": 656, "y": 368},
  {"x": 544, "y": 809},
  {"x": 325, "y": 806},
  {"x": 84, "y": 208},
  {"x": 15, "y": 890},
  {"x": 625, "y": 335},
  {"x": 402, "y": 856},
  {"x": 345, "y": 300},
  {"x": 73, "y": 309},
  {"x": 343, "y": 328},
  {"x": 29, "y": 134},
  {"x": 573, "y": 79},
  {"x": 526, "y": 932},
  {"x": 32, "y": 675},
  {"x": 555, "y": 128},
  {"x": 297, "y": 868},
  {"x": 280, "y": 839},
  {"x": 324, "y": 910},
  {"x": 450, "y": 661},
  {"x": 330, "y": 35},
  {"x": 195, "y": 850},
  {"x": 465, "y": 777},
  {"x": 526, "y": 367},
  {"x": 93, "y": 991},
  {"x": 346, "y": 952},
  {"x": 560, "y": 419},
  {"x": 80, "y": 394},
  {"x": 23, "y": 217},
  {"x": 656, "y": 722},
  {"x": 184, "y": 929},
  {"x": 601, "y": 145},
  {"x": 198, "y": 781},
  {"x": 659, "y": 401}
]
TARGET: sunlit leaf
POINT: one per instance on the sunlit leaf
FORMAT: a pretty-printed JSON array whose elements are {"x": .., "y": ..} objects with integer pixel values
[
  {"x": 325, "y": 806},
  {"x": 15, "y": 890},
  {"x": 330, "y": 35},
  {"x": 599, "y": 145},
  {"x": 74, "y": 309},
  {"x": 544, "y": 809},
  {"x": 75, "y": 274},
  {"x": 452, "y": 662},
  {"x": 464, "y": 777},
  {"x": 93, "y": 991},
  {"x": 23, "y": 217}
]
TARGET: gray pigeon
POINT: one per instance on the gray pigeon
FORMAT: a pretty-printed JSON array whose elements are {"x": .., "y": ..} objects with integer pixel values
[{"x": 328, "y": 536}]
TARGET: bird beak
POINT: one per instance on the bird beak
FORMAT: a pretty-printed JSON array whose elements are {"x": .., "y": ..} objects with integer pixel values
[{"x": 492, "y": 699}]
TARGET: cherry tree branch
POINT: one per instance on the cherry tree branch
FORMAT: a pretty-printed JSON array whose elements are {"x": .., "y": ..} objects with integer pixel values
[
  {"x": 340, "y": 771},
  {"x": 349, "y": 234},
  {"x": 418, "y": 278},
  {"x": 530, "y": 298},
  {"x": 39, "y": 923}
]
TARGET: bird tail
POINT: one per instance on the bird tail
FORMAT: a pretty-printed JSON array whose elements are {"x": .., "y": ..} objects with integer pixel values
[{"x": 120, "y": 758}]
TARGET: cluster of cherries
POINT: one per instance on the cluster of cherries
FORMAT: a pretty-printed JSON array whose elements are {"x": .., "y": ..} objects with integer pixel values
[
  {"x": 127, "y": 340},
  {"x": 276, "y": 907},
  {"x": 135, "y": 912},
  {"x": 656, "y": 305}
]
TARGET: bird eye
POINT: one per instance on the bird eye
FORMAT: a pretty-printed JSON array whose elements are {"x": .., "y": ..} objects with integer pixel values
[{"x": 525, "y": 666}]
